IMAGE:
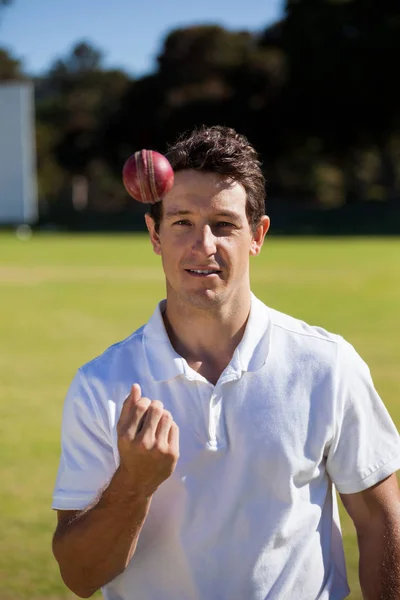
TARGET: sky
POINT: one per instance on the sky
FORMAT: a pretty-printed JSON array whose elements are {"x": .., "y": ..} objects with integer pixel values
[{"x": 130, "y": 33}]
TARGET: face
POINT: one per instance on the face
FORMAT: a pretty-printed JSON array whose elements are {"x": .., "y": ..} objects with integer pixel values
[{"x": 205, "y": 240}]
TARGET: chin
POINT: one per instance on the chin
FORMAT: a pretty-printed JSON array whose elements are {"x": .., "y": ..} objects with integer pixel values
[{"x": 204, "y": 299}]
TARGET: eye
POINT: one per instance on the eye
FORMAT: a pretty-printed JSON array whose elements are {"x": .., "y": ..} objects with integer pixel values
[
  {"x": 182, "y": 222},
  {"x": 224, "y": 224}
]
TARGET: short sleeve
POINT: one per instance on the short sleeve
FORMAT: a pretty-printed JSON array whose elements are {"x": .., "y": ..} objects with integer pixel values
[
  {"x": 365, "y": 447},
  {"x": 87, "y": 461}
]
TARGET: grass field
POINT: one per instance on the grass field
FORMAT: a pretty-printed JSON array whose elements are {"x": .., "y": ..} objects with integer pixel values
[{"x": 65, "y": 299}]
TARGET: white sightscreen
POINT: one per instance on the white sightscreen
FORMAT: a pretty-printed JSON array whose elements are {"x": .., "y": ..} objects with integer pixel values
[{"x": 18, "y": 188}]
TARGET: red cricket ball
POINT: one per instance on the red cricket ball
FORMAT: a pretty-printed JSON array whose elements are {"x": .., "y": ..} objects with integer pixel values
[{"x": 147, "y": 176}]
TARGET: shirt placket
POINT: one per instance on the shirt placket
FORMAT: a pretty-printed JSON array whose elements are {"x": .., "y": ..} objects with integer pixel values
[{"x": 213, "y": 409}]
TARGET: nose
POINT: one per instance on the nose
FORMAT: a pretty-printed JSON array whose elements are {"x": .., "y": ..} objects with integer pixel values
[{"x": 205, "y": 241}]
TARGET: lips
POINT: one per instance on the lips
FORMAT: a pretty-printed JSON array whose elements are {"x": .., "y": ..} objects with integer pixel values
[{"x": 203, "y": 271}]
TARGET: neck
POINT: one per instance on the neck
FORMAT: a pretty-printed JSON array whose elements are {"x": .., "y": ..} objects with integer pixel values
[{"x": 207, "y": 336}]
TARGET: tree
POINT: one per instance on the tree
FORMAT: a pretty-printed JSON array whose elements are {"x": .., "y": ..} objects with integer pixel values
[
  {"x": 10, "y": 67},
  {"x": 316, "y": 93},
  {"x": 74, "y": 104},
  {"x": 76, "y": 97},
  {"x": 206, "y": 74},
  {"x": 344, "y": 54},
  {"x": 342, "y": 93}
]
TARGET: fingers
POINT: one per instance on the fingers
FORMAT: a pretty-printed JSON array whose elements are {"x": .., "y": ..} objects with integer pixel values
[
  {"x": 173, "y": 438},
  {"x": 148, "y": 422},
  {"x": 151, "y": 420},
  {"x": 163, "y": 428},
  {"x": 133, "y": 409},
  {"x": 124, "y": 417}
]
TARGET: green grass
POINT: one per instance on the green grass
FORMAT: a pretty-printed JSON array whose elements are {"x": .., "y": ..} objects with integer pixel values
[{"x": 65, "y": 299}]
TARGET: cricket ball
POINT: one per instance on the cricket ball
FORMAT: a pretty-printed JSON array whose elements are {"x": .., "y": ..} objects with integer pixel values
[{"x": 147, "y": 176}]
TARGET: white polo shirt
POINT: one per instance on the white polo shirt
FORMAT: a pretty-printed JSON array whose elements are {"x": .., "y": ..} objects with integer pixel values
[{"x": 250, "y": 511}]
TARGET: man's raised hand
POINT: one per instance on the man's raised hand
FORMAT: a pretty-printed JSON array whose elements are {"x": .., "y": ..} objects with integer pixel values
[{"x": 148, "y": 442}]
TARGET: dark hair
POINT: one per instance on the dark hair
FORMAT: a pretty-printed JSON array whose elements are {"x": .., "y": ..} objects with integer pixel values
[{"x": 220, "y": 150}]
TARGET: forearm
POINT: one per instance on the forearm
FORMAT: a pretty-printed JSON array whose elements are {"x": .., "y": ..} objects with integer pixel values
[
  {"x": 98, "y": 544},
  {"x": 379, "y": 567}
]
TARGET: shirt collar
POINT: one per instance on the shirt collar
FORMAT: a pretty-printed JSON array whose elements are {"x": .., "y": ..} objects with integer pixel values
[{"x": 250, "y": 355}]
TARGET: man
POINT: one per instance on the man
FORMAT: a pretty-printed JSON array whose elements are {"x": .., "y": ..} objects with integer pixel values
[{"x": 200, "y": 455}]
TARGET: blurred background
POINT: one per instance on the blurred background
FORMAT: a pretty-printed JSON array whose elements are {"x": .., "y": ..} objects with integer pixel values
[{"x": 314, "y": 85}]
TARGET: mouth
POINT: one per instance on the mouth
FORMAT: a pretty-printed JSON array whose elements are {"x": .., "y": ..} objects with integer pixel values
[{"x": 203, "y": 272}]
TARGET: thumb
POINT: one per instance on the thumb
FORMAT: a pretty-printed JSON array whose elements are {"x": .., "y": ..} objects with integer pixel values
[
  {"x": 132, "y": 399},
  {"x": 136, "y": 393}
]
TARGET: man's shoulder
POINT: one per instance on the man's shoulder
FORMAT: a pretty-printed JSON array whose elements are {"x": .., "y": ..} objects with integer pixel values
[
  {"x": 298, "y": 346},
  {"x": 305, "y": 333},
  {"x": 120, "y": 353}
]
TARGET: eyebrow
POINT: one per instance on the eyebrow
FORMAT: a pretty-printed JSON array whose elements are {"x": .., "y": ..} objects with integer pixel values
[
  {"x": 181, "y": 213},
  {"x": 176, "y": 213}
]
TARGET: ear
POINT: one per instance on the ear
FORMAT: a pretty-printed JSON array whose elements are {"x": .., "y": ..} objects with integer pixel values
[
  {"x": 259, "y": 235},
  {"x": 154, "y": 236}
]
